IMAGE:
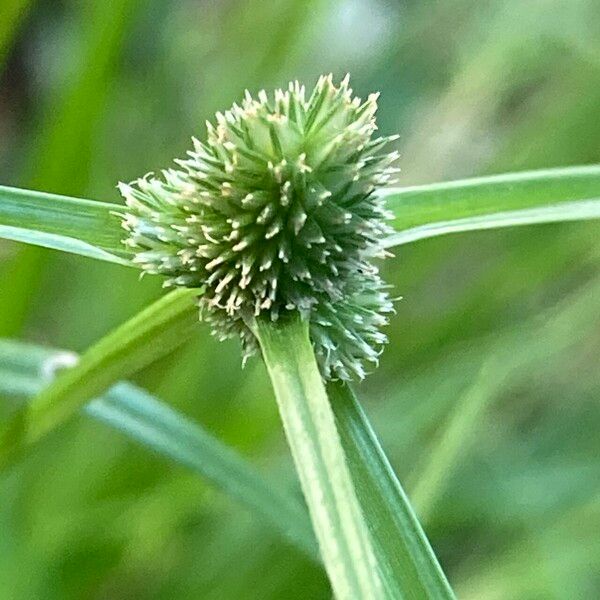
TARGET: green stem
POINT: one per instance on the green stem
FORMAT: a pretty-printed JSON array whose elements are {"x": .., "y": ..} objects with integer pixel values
[{"x": 320, "y": 461}]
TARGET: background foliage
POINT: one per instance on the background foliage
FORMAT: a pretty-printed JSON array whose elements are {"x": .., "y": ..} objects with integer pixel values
[{"x": 486, "y": 399}]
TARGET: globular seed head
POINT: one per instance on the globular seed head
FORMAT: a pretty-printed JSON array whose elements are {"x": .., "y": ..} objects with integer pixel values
[{"x": 277, "y": 211}]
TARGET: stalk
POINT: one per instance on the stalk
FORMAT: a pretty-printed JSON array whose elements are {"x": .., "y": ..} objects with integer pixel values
[{"x": 310, "y": 428}]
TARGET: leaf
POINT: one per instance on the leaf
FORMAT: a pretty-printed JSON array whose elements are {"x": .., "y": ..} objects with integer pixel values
[
  {"x": 544, "y": 196},
  {"x": 92, "y": 229},
  {"x": 407, "y": 561},
  {"x": 136, "y": 413},
  {"x": 62, "y": 223},
  {"x": 150, "y": 334},
  {"x": 144, "y": 418}
]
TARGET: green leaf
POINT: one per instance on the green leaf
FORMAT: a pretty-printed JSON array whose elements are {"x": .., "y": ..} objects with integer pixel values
[
  {"x": 150, "y": 334},
  {"x": 72, "y": 225},
  {"x": 154, "y": 424},
  {"x": 545, "y": 196},
  {"x": 309, "y": 424},
  {"x": 92, "y": 228},
  {"x": 408, "y": 564},
  {"x": 144, "y": 418}
]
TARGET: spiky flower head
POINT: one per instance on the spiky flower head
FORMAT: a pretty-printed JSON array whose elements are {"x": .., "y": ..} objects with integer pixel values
[{"x": 277, "y": 211}]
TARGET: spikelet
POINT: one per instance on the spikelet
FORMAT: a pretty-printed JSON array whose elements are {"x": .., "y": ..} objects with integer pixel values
[{"x": 276, "y": 211}]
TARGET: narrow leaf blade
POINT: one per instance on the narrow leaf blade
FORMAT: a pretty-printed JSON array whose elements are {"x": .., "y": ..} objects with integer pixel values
[
  {"x": 92, "y": 228},
  {"x": 409, "y": 565},
  {"x": 531, "y": 197},
  {"x": 73, "y": 225},
  {"x": 150, "y": 334}
]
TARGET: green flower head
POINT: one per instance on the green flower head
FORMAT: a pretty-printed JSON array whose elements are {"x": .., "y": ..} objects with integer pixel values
[{"x": 277, "y": 211}]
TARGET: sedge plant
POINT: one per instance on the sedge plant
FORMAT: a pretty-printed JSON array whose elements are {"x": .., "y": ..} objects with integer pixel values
[
  {"x": 276, "y": 218},
  {"x": 273, "y": 226}
]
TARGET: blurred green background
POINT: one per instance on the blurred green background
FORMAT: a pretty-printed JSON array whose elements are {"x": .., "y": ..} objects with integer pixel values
[{"x": 487, "y": 399}]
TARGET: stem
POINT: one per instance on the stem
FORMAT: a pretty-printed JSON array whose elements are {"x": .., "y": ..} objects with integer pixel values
[{"x": 320, "y": 461}]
